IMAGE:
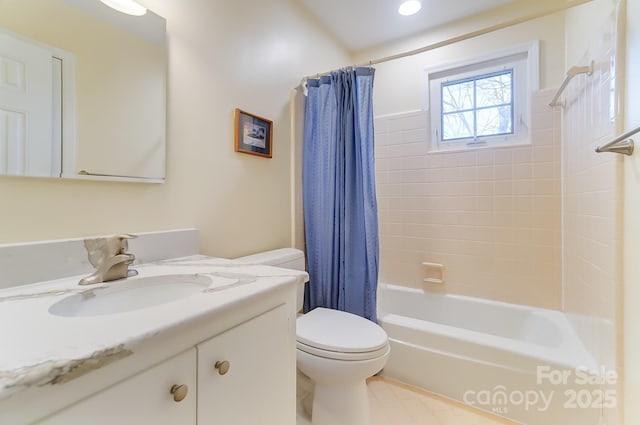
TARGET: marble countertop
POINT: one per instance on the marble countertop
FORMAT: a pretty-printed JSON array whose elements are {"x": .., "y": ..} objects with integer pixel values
[{"x": 40, "y": 349}]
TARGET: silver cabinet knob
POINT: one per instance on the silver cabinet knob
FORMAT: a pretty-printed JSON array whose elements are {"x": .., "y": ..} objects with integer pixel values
[
  {"x": 222, "y": 367},
  {"x": 179, "y": 392}
]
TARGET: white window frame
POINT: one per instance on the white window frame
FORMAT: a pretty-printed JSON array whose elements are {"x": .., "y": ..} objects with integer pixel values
[{"x": 523, "y": 59}]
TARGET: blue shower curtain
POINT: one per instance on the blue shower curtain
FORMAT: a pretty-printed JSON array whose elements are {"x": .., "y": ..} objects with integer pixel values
[{"x": 340, "y": 207}]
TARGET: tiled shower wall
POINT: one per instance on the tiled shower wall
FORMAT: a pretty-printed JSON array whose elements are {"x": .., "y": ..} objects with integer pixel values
[
  {"x": 593, "y": 200},
  {"x": 491, "y": 216}
]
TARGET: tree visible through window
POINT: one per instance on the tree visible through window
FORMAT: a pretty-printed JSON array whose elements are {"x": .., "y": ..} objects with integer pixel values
[
  {"x": 483, "y": 101},
  {"x": 477, "y": 106}
]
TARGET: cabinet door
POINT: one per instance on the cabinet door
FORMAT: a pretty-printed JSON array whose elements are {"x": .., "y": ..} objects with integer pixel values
[
  {"x": 142, "y": 399},
  {"x": 259, "y": 385}
]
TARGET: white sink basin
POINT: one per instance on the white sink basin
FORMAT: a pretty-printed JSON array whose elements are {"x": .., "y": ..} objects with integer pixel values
[{"x": 131, "y": 294}]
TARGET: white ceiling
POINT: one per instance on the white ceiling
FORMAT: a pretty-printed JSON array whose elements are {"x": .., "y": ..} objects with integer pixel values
[{"x": 359, "y": 24}]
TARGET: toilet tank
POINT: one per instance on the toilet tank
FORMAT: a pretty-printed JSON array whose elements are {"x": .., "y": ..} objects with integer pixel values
[{"x": 287, "y": 258}]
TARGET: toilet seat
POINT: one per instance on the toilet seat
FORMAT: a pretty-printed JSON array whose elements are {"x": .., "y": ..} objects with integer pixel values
[
  {"x": 337, "y": 355},
  {"x": 339, "y": 335}
]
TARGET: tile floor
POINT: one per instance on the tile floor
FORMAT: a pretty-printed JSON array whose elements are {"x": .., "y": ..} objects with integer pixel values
[{"x": 393, "y": 403}]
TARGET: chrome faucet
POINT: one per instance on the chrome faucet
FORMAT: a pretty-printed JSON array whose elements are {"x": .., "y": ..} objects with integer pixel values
[{"x": 110, "y": 258}]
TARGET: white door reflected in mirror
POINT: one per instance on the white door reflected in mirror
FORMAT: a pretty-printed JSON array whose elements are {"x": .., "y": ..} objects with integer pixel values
[{"x": 26, "y": 109}]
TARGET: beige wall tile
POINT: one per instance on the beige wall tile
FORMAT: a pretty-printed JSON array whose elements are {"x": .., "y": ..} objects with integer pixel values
[{"x": 491, "y": 216}]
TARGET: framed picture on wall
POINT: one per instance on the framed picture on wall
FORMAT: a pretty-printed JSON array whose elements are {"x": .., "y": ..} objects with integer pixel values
[{"x": 254, "y": 134}]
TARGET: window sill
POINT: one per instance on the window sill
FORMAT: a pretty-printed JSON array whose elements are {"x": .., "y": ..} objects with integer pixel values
[{"x": 477, "y": 148}]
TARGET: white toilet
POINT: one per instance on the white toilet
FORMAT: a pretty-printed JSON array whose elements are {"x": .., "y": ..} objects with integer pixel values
[{"x": 338, "y": 351}]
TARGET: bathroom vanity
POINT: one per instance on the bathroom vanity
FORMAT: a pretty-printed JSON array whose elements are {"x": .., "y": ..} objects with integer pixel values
[{"x": 189, "y": 340}]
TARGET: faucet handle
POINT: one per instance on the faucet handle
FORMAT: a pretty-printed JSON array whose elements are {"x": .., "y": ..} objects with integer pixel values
[
  {"x": 126, "y": 236},
  {"x": 122, "y": 241}
]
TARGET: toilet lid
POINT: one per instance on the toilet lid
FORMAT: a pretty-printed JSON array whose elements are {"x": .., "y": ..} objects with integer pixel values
[{"x": 335, "y": 330}]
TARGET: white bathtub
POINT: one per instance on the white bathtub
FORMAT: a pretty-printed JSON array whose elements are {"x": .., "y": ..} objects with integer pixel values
[{"x": 487, "y": 354}]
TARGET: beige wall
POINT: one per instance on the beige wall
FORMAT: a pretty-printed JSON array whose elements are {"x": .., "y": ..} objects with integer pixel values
[
  {"x": 399, "y": 83},
  {"x": 632, "y": 224},
  {"x": 581, "y": 22},
  {"x": 222, "y": 55}
]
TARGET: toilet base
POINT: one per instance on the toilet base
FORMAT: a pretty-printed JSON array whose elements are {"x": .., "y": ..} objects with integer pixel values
[
  {"x": 341, "y": 404},
  {"x": 340, "y": 394}
]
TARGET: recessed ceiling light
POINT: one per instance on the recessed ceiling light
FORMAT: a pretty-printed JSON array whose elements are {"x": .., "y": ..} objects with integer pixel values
[
  {"x": 130, "y": 7},
  {"x": 410, "y": 7}
]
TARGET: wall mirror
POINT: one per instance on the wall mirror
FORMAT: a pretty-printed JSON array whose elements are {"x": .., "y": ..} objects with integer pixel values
[{"x": 82, "y": 91}]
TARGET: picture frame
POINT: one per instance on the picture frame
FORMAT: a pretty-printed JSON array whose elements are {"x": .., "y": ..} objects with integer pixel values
[{"x": 253, "y": 134}]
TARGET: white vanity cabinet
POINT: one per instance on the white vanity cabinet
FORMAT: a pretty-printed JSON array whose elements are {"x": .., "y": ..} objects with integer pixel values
[
  {"x": 246, "y": 375},
  {"x": 144, "y": 398}
]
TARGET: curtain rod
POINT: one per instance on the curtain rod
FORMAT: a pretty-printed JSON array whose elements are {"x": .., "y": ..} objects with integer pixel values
[{"x": 509, "y": 23}]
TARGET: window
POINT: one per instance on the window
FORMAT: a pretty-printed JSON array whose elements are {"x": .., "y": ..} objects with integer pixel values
[
  {"x": 477, "y": 106},
  {"x": 484, "y": 102}
]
